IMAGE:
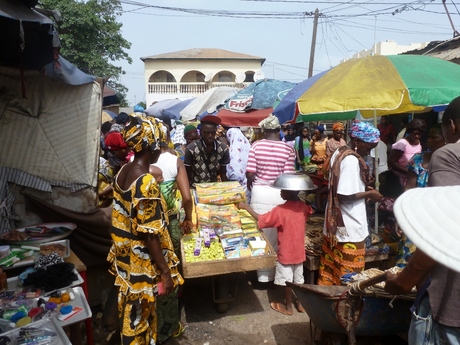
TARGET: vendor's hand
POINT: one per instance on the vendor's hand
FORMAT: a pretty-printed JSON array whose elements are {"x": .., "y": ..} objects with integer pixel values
[
  {"x": 374, "y": 195},
  {"x": 168, "y": 284},
  {"x": 394, "y": 286},
  {"x": 187, "y": 226},
  {"x": 241, "y": 205}
]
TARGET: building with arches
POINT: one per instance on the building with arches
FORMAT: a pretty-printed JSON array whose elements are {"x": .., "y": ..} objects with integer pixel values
[{"x": 187, "y": 73}]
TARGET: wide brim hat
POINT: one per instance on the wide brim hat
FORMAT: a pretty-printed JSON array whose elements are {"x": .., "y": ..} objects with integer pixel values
[{"x": 430, "y": 219}]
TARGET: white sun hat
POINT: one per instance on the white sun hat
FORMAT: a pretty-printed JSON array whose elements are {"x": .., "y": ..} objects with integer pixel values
[{"x": 430, "y": 217}]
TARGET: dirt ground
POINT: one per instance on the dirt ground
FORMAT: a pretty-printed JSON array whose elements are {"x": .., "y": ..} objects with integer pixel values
[{"x": 249, "y": 319}]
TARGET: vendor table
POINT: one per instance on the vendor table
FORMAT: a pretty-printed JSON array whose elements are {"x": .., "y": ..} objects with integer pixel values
[
  {"x": 220, "y": 271},
  {"x": 81, "y": 268},
  {"x": 311, "y": 265}
]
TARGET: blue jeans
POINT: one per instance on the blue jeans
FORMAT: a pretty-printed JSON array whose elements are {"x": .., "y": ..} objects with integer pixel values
[{"x": 426, "y": 331}]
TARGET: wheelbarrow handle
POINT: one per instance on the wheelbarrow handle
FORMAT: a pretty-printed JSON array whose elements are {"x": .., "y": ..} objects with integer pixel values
[{"x": 361, "y": 285}]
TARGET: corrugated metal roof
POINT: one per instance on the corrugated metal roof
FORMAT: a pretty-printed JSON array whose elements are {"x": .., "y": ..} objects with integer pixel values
[{"x": 203, "y": 54}]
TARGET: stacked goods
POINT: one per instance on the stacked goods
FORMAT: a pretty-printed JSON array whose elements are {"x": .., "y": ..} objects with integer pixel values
[
  {"x": 223, "y": 230},
  {"x": 195, "y": 250},
  {"x": 314, "y": 235},
  {"x": 220, "y": 193}
]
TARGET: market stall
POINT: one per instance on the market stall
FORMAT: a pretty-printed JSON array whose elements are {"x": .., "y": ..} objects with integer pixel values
[
  {"x": 227, "y": 240},
  {"x": 43, "y": 285}
]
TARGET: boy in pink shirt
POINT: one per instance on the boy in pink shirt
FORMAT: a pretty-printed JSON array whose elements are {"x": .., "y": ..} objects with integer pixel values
[{"x": 290, "y": 219}]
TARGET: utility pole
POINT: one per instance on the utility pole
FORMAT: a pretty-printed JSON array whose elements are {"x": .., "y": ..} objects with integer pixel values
[
  {"x": 313, "y": 44},
  {"x": 450, "y": 19}
]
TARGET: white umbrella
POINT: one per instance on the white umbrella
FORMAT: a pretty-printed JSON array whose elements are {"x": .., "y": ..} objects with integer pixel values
[
  {"x": 157, "y": 109},
  {"x": 208, "y": 101}
]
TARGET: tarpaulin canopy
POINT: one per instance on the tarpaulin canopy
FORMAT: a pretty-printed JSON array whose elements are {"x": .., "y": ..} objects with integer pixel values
[
  {"x": 54, "y": 132},
  {"x": 250, "y": 118},
  {"x": 28, "y": 40}
]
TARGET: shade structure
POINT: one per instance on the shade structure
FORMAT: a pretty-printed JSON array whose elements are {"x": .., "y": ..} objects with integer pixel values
[
  {"x": 261, "y": 94},
  {"x": 157, "y": 108},
  {"x": 207, "y": 102},
  {"x": 375, "y": 85},
  {"x": 173, "y": 112},
  {"x": 250, "y": 118},
  {"x": 109, "y": 97}
]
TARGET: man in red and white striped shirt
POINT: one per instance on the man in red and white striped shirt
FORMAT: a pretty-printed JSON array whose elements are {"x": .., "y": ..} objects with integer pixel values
[{"x": 268, "y": 158}]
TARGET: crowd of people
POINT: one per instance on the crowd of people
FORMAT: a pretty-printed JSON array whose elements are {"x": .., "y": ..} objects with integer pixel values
[{"x": 148, "y": 167}]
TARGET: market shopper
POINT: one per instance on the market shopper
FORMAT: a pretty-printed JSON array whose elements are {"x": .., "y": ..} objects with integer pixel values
[
  {"x": 239, "y": 152},
  {"x": 289, "y": 219},
  {"x": 190, "y": 134},
  {"x": 436, "y": 318},
  {"x": 174, "y": 177},
  {"x": 318, "y": 147},
  {"x": 142, "y": 255},
  {"x": 337, "y": 138},
  {"x": 417, "y": 175},
  {"x": 302, "y": 149},
  {"x": 345, "y": 224},
  {"x": 268, "y": 158},
  {"x": 206, "y": 159},
  {"x": 403, "y": 150}
]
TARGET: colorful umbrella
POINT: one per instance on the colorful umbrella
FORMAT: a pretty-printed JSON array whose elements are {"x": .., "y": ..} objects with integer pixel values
[
  {"x": 261, "y": 94},
  {"x": 376, "y": 86}
]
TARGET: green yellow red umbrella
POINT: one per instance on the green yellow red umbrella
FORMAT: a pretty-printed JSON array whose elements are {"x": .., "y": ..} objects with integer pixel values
[{"x": 376, "y": 85}]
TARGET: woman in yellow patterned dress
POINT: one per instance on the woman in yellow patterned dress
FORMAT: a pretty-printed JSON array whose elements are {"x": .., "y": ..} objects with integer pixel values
[{"x": 142, "y": 255}]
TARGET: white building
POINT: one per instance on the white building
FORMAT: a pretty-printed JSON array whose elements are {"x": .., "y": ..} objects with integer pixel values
[
  {"x": 187, "y": 73},
  {"x": 388, "y": 47}
]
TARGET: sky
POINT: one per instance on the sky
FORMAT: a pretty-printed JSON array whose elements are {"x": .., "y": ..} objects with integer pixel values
[{"x": 278, "y": 30}]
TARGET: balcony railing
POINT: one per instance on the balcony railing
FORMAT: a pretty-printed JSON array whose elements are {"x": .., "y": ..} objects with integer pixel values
[{"x": 188, "y": 88}]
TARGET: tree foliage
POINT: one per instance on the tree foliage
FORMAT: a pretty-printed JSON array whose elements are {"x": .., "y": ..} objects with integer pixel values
[{"x": 91, "y": 38}]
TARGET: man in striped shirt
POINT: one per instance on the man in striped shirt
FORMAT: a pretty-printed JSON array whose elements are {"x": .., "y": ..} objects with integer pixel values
[{"x": 268, "y": 158}]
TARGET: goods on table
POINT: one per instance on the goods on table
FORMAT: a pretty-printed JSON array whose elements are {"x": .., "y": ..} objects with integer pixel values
[
  {"x": 224, "y": 232},
  {"x": 19, "y": 254},
  {"x": 220, "y": 193}
]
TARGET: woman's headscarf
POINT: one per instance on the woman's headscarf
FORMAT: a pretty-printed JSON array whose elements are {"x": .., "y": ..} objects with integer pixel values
[
  {"x": 239, "y": 154},
  {"x": 320, "y": 128},
  {"x": 364, "y": 131},
  {"x": 338, "y": 126},
  {"x": 178, "y": 136},
  {"x": 142, "y": 133},
  {"x": 271, "y": 122}
]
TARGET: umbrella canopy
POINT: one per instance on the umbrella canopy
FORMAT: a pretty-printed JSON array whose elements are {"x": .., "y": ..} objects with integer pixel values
[
  {"x": 208, "y": 102},
  {"x": 251, "y": 118},
  {"x": 379, "y": 85},
  {"x": 157, "y": 108},
  {"x": 173, "y": 112},
  {"x": 261, "y": 94}
]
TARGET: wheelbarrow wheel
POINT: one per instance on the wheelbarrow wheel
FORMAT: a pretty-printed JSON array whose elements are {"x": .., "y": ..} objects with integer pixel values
[{"x": 221, "y": 307}]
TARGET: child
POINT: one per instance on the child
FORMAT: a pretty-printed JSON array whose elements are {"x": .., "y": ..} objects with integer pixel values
[{"x": 290, "y": 219}]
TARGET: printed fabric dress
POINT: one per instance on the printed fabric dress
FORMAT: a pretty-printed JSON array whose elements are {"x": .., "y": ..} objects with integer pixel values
[
  {"x": 405, "y": 246},
  {"x": 139, "y": 210}
]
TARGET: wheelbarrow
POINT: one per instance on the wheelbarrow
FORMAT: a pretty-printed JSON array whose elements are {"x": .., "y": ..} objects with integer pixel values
[{"x": 353, "y": 311}]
